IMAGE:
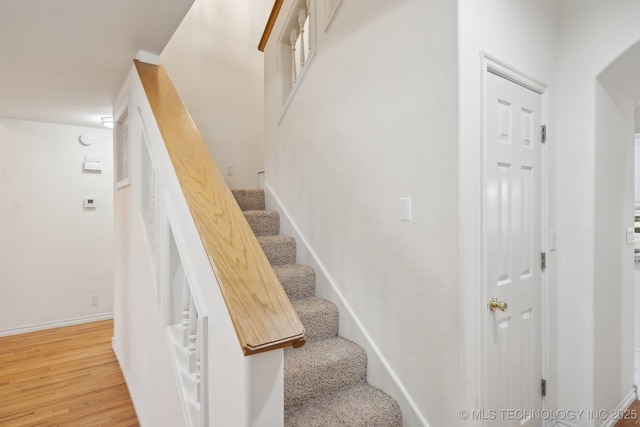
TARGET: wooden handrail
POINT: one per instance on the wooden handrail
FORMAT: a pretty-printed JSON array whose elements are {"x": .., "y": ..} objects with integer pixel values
[
  {"x": 270, "y": 23},
  {"x": 261, "y": 312}
]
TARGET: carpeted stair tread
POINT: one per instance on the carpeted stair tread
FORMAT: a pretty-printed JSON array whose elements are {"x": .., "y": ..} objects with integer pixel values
[
  {"x": 298, "y": 281},
  {"x": 278, "y": 249},
  {"x": 320, "y": 368},
  {"x": 359, "y": 406},
  {"x": 319, "y": 317},
  {"x": 324, "y": 380},
  {"x": 250, "y": 199},
  {"x": 263, "y": 223}
]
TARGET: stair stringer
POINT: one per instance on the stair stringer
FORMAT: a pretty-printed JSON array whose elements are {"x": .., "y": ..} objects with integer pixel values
[{"x": 379, "y": 372}]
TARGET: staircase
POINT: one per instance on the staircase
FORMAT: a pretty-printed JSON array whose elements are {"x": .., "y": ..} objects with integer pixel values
[{"x": 324, "y": 380}]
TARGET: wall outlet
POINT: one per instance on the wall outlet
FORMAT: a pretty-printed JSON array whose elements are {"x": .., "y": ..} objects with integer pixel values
[{"x": 94, "y": 299}]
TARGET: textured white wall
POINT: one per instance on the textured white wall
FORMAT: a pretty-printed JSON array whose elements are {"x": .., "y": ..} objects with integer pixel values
[
  {"x": 54, "y": 253},
  {"x": 215, "y": 64},
  {"x": 373, "y": 120},
  {"x": 595, "y": 266},
  {"x": 613, "y": 257}
]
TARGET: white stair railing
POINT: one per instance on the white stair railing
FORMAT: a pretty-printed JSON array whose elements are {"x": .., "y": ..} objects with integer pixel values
[
  {"x": 296, "y": 43},
  {"x": 300, "y": 44},
  {"x": 188, "y": 344},
  {"x": 293, "y": 39}
]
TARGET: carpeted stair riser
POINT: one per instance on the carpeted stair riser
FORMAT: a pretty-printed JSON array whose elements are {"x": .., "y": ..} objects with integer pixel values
[
  {"x": 355, "y": 407},
  {"x": 263, "y": 223},
  {"x": 319, "y": 317},
  {"x": 298, "y": 281},
  {"x": 249, "y": 200},
  {"x": 278, "y": 249},
  {"x": 320, "y": 368},
  {"x": 324, "y": 380}
]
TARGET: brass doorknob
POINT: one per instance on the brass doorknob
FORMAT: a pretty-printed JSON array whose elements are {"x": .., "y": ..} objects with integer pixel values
[{"x": 494, "y": 304}]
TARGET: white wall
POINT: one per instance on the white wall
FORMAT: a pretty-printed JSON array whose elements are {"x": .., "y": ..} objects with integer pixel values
[
  {"x": 139, "y": 337},
  {"x": 595, "y": 265},
  {"x": 215, "y": 64},
  {"x": 55, "y": 254},
  {"x": 613, "y": 257},
  {"x": 373, "y": 120}
]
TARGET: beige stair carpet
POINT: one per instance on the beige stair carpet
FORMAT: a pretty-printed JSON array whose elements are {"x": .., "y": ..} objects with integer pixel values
[{"x": 324, "y": 380}]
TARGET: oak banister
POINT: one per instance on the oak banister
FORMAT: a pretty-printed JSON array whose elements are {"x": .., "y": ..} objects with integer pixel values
[
  {"x": 277, "y": 5},
  {"x": 262, "y": 314}
]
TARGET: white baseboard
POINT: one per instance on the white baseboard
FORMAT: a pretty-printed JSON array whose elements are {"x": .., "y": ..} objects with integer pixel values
[
  {"x": 418, "y": 417},
  {"x": 130, "y": 386},
  {"x": 622, "y": 406},
  {"x": 636, "y": 367},
  {"x": 56, "y": 324},
  {"x": 610, "y": 422}
]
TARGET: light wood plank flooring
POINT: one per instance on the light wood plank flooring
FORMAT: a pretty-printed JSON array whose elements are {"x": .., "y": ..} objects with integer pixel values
[
  {"x": 63, "y": 377},
  {"x": 633, "y": 419},
  {"x": 70, "y": 377}
]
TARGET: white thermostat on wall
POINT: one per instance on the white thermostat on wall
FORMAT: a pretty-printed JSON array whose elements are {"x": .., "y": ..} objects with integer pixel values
[
  {"x": 92, "y": 164},
  {"x": 86, "y": 139},
  {"x": 89, "y": 202}
]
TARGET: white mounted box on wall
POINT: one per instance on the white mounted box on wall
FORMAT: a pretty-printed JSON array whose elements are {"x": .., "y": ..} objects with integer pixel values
[
  {"x": 405, "y": 209},
  {"x": 93, "y": 164},
  {"x": 90, "y": 202}
]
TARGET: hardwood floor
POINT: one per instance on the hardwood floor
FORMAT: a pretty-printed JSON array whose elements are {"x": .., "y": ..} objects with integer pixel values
[
  {"x": 70, "y": 377},
  {"x": 633, "y": 419},
  {"x": 63, "y": 377}
]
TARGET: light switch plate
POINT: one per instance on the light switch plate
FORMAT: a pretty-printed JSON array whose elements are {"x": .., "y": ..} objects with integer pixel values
[
  {"x": 405, "y": 209},
  {"x": 631, "y": 236}
]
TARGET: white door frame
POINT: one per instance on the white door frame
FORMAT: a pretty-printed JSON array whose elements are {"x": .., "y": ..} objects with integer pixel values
[{"x": 494, "y": 66}]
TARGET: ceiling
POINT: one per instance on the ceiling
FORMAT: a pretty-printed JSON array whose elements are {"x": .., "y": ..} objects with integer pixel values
[{"x": 64, "y": 61}]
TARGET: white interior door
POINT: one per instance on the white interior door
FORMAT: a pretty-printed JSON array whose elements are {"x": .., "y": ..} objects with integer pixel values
[{"x": 512, "y": 242}]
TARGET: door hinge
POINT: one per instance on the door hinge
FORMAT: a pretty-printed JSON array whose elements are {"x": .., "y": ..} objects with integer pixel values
[
  {"x": 543, "y": 261},
  {"x": 543, "y": 387},
  {"x": 544, "y": 134}
]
